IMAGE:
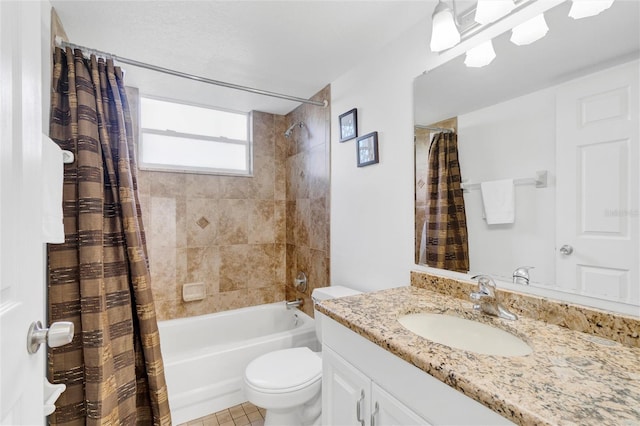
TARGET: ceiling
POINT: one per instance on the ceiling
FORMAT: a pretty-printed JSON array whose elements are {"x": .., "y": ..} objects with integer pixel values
[{"x": 292, "y": 47}]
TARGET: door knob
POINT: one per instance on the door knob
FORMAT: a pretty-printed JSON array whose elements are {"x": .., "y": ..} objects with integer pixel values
[
  {"x": 566, "y": 250},
  {"x": 58, "y": 334}
]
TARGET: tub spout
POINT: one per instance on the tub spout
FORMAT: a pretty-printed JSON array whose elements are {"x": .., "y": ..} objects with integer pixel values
[{"x": 294, "y": 304}]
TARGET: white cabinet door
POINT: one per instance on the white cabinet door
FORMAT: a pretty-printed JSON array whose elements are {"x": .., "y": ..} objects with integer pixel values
[
  {"x": 598, "y": 176},
  {"x": 388, "y": 411},
  {"x": 349, "y": 397},
  {"x": 345, "y": 392}
]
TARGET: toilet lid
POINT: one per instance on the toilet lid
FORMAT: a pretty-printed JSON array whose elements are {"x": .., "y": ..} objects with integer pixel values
[{"x": 284, "y": 370}]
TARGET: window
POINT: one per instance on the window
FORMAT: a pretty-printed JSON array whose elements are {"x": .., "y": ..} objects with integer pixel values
[{"x": 188, "y": 138}]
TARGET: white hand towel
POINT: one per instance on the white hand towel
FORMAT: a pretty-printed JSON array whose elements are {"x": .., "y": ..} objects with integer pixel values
[
  {"x": 498, "y": 197},
  {"x": 52, "y": 181}
]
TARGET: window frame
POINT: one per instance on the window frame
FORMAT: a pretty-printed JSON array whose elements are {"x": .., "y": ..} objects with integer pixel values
[{"x": 155, "y": 167}]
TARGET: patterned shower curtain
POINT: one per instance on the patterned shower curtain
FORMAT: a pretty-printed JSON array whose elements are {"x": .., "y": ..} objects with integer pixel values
[
  {"x": 99, "y": 278},
  {"x": 446, "y": 223}
]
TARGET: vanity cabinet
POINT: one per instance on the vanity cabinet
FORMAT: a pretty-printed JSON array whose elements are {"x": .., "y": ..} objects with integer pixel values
[
  {"x": 353, "y": 399},
  {"x": 361, "y": 378}
]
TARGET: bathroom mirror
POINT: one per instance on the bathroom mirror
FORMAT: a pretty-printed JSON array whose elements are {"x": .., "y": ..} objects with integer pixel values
[{"x": 507, "y": 117}]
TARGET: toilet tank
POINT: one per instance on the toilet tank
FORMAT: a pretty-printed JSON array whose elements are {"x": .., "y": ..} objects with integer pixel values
[{"x": 325, "y": 293}]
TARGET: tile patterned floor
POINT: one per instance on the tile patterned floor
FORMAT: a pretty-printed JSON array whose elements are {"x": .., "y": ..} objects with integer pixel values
[{"x": 245, "y": 414}]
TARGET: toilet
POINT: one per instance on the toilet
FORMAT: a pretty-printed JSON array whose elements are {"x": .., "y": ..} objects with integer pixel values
[{"x": 287, "y": 383}]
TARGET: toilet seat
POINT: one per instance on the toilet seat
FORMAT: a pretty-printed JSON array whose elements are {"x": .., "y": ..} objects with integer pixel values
[{"x": 284, "y": 371}]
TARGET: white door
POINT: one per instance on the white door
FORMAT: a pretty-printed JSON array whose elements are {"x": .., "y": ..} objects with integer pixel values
[
  {"x": 598, "y": 185},
  {"x": 21, "y": 250},
  {"x": 345, "y": 392},
  {"x": 388, "y": 411}
]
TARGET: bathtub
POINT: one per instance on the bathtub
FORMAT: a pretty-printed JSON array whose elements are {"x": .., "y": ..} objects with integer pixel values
[{"x": 205, "y": 356}]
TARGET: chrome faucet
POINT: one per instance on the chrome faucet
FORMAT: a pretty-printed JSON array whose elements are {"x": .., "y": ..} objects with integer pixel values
[
  {"x": 521, "y": 275},
  {"x": 294, "y": 303},
  {"x": 487, "y": 299}
]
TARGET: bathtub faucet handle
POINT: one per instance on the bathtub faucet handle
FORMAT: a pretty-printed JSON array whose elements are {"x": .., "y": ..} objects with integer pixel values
[{"x": 294, "y": 303}]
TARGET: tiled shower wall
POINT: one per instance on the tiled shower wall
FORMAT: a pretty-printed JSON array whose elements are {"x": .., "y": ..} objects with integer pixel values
[
  {"x": 307, "y": 188},
  {"x": 237, "y": 235}
]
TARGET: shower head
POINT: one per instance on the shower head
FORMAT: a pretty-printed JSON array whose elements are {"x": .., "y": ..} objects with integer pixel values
[{"x": 288, "y": 132}]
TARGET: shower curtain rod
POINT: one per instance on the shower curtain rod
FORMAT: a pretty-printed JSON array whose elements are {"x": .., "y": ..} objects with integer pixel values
[
  {"x": 163, "y": 70},
  {"x": 436, "y": 129}
]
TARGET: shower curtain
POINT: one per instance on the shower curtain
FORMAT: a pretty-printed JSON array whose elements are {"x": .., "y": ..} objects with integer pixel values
[
  {"x": 99, "y": 277},
  {"x": 446, "y": 224}
]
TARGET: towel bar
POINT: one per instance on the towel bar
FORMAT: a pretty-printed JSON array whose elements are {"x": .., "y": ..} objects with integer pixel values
[{"x": 540, "y": 181}]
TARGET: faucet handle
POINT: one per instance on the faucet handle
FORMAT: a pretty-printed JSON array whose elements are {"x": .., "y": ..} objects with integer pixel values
[
  {"x": 486, "y": 286},
  {"x": 521, "y": 274},
  {"x": 522, "y": 271},
  {"x": 491, "y": 306}
]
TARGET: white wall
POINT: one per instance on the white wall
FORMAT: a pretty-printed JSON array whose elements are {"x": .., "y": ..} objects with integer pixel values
[
  {"x": 372, "y": 207},
  {"x": 520, "y": 134}
]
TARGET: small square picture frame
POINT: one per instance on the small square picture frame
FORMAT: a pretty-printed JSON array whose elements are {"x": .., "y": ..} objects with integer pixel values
[
  {"x": 348, "y": 123},
  {"x": 367, "y": 149}
]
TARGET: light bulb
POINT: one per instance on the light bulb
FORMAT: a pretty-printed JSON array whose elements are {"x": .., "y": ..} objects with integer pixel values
[
  {"x": 528, "y": 32},
  {"x": 481, "y": 55},
  {"x": 585, "y": 8},
  {"x": 488, "y": 11},
  {"x": 444, "y": 32}
]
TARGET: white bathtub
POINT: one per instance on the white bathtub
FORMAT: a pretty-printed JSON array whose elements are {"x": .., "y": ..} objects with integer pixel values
[{"x": 205, "y": 356}]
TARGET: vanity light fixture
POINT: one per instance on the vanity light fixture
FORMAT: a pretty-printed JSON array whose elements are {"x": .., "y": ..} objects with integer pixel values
[
  {"x": 528, "y": 32},
  {"x": 444, "y": 33},
  {"x": 481, "y": 55},
  {"x": 488, "y": 11},
  {"x": 448, "y": 29},
  {"x": 585, "y": 8}
]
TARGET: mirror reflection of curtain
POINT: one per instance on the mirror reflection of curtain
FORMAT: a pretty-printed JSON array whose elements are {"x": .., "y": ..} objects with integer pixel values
[
  {"x": 445, "y": 231},
  {"x": 99, "y": 278}
]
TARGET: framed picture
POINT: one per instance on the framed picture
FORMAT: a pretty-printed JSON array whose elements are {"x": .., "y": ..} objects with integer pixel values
[
  {"x": 367, "y": 147},
  {"x": 348, "y": 125}
]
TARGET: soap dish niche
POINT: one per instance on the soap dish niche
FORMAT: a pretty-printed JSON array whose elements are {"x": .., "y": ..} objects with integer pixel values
[{"x": 193, "y": 291}]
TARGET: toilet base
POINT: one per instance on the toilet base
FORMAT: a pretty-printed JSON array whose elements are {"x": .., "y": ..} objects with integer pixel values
[
  {"x": 281, "y": 418},
  {"x": 305, "y": 415}
]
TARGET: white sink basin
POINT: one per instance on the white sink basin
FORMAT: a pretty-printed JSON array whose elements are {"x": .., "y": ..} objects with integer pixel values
[{"x": 465, "y": 334}]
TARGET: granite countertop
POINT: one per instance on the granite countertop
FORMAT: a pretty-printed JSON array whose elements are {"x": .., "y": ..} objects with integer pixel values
[{"x": 570, "y": 378}]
